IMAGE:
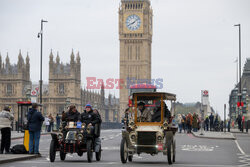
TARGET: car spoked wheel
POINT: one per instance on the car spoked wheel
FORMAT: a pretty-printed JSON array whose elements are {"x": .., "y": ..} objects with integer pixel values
[
  {"x": 170, "y": 152},
  {"x": 98, "y": 155},
  {"x": 62, "y": 155},
  {"x": 52, "y": 151},
  {"x": 89, "y": 150},
  {"x": 124, "y": 151}
]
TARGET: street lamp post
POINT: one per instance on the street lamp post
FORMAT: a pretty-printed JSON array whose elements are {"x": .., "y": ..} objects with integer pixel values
[
  {"x": 240, "y": 94},
  {"x": 40, "y": 34}
]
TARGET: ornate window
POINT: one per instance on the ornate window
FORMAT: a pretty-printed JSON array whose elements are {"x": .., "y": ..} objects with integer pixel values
[
  {"x": 60, "y": 109},
  {"x": 9, "y": 89},
  {"x": 61, "y": 88}
]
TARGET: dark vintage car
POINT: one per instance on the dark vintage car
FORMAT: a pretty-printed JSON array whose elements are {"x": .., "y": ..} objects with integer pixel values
[
  {"x": 150, "y": 131},
  {"x": 74, "y": 137}
]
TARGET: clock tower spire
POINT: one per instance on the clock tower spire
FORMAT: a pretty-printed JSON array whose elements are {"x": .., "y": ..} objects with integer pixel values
[{"x": 135, "y": 35}]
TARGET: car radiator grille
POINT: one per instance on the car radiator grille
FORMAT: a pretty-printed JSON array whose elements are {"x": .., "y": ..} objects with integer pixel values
[{"x": 146, "y": 138}]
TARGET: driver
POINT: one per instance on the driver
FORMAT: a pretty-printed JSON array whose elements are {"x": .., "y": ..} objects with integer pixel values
[
  {"x": 144, "y": 114},
  {"x": 71, "y": 115}
]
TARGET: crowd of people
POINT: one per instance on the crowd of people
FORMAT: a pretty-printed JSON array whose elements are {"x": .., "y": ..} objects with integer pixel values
[
  {"x": 192, "y": 122},
  {"x": 49, "y": 122},
  {"x": 188, "y": 123}
]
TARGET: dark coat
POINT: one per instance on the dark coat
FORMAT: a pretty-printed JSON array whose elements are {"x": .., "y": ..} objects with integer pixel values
[
  {"x": 211, "y": 119},
  {"x": 72, "y": 116},
  {"x": 58, "y": 119},
  {"x": 90, "y": 117},
  {"x": 207, "y": 121},
  {"x": 35, "y": 120}
]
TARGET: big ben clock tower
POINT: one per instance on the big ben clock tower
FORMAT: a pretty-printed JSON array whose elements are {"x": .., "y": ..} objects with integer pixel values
[{"x": 135, "y": 34}]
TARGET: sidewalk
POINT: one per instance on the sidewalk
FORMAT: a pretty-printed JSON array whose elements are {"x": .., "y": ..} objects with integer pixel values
[
  {"x": 5, "y": 158},
  {"x": 238, "y": 131},
  {"x": 214, "y": 135}
]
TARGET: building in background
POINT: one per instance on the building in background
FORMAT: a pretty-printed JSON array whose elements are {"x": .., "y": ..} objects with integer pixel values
[
  {"x": 233, "y": 97},
  {"x": 64, "y": 88},
  {"x": 14, "y": 81},
  {"x": 135, "y": 35}
]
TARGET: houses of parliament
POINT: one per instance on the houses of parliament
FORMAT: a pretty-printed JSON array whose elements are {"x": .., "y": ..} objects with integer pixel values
[{"x": 64, "y": 86}]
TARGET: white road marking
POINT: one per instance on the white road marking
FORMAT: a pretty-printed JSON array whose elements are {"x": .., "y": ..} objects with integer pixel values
[
  {"x": 242, "y": 152},
  {"x": 245, "y": 159},
  {"x": 110, "y": 148},
  {"x": 198, "y": 148},
  {"x": 110, "y": 137}
]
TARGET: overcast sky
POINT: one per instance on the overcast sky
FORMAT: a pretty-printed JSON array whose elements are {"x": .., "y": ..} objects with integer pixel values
[{"x": 194, "y": 42}]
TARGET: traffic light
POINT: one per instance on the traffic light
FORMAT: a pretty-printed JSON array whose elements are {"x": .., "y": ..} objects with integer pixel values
[{"x": 240, "y": 104}]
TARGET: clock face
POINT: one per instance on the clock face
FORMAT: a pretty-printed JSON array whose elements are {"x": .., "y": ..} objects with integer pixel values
[{"x": 133, "y": 22}]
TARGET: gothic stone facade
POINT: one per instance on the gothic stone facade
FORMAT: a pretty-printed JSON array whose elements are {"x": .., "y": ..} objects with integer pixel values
[
  {"x": 64, "y": 86},
  {"x": 14, "y": 81}
]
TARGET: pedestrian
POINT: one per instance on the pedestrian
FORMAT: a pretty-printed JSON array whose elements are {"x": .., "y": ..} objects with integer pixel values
[
  {"x": 58, "y": 121},
  {"x": 63, "y": 115},
  {"x": 189, "y": 120},
  {"x": 211, "y": 120},
  {"x": 51, "y": 123},
  {"x": 221, "y": 126},
  {"x": 35, "y": 121},
  {"x": 216, "y": 123},
  {"x": 195, "y": 122},
  {"x": 179, "y": 118},
  {"x": 243, "y": 123},
  {"x": 229, "y": 124},
  {"x": 47, "y": 120},
  {"x": 6, "y": 119},
  {"x": 239, "y": 119},
  {"x": 206, "y": 123},
  {"x": 183, "y": 122}
]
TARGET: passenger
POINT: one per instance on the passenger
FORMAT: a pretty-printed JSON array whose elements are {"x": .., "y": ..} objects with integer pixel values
[
  {"x": 89, "y": 117},
  {"x": 71, "y": 115},
  {"x": 98, "y": 131},
  {"x": 156, "y": 117},
  {"x": 144, "y": 115}
]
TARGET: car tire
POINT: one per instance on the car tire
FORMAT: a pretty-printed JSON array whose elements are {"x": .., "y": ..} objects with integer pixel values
[
  {"x": 130, "y": 158},
  {"x": 89, "y": 150},
  {"x": 170, "y": 152},
  {"x": 123, "y": 151},
  {"x": 52, "y": 151},
  {"x": 98, "y": 155},
  {"x": 62, "y": 155}
]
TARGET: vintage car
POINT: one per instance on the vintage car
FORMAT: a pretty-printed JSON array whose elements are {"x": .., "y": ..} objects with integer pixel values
[
  {"x": 153, "y": 135},
  {"x": 74, "y": 137}
]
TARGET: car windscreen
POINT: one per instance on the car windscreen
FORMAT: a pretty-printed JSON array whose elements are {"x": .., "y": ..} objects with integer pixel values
[{"x": 149, "y": 109}]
